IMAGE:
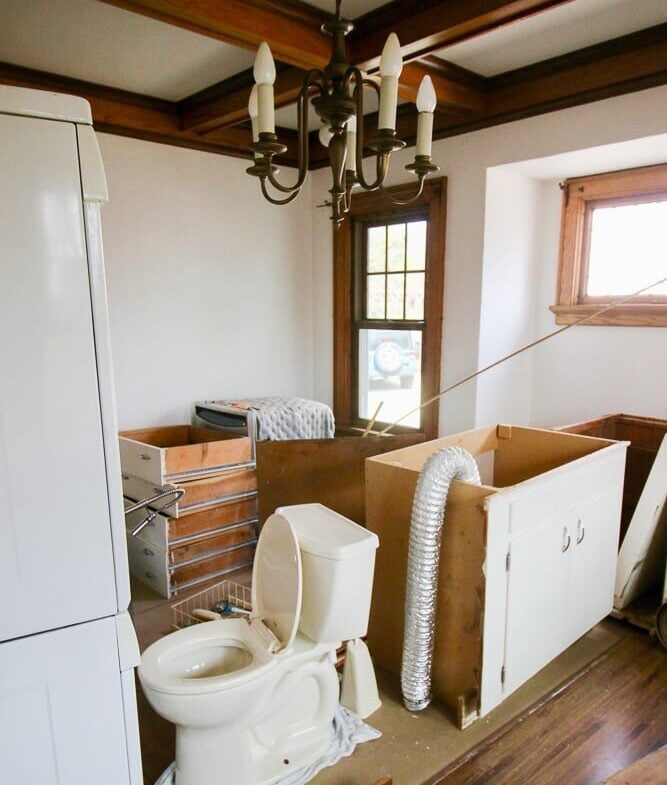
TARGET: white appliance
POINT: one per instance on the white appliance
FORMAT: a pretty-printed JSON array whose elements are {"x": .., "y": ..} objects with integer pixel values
[
  {"x": 255, "y": 698},
  {"x": 67, "y": 646}
]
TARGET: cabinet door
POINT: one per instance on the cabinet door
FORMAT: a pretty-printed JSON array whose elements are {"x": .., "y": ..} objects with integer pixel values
[
  {"x": 61, "y": 708},
  {"x": 595, "y": 530},
  {"x": 56, "y": 562},
  {"x": 536, "y": 599}
]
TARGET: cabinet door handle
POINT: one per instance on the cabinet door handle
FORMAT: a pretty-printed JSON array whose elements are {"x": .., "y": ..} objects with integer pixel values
[
  {"x": 581, "y": 532},
  {"x": 567, "y": 539}
]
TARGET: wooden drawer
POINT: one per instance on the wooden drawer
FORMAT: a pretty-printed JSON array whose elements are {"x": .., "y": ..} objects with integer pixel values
[
  {"x": 199, "y": 494},
  {"x": 163, "y": 531},
  {"x": 181, "y": 452},
  {"x": 197, "y": 548},
  {"x": 151, "y": 565}
]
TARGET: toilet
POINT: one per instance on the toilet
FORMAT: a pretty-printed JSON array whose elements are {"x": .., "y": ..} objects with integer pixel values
[{"x": 253, "y": 699}]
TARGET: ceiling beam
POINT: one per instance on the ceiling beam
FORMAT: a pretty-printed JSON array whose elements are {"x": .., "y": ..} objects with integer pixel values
[
  {"x": 291, "y": 29},
  {"x": 226, "y": 103},
  {"x": 426, "y": 27},
  {"x": 457, "y": 91},
  {"x": 141, "y": 117}
]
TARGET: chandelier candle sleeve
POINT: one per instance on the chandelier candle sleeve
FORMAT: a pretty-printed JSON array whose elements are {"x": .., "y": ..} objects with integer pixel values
[
  {"x": 391, "y": 65},
  {"x": 426, "y": 102},
  {"x": 351, "y": 145},
  {"x": 265, "y": 75},
  {"x": 253, "y": 111}
]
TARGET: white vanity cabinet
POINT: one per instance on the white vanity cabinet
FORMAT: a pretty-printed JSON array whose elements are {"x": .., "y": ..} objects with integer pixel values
[
  {"x": 560, "y": 582},
  {"x": 527, "y": 560}
]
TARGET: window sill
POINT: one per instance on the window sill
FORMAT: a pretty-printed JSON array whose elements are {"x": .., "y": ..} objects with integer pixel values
[{"x": 643, "y": 315}]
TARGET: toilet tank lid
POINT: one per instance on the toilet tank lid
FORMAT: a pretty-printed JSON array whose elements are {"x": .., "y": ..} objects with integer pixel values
[{"x": 323, "y": 532}]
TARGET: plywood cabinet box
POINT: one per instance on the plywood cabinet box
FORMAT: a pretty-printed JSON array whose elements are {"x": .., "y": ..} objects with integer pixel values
[{"x": 527, "y": 562}]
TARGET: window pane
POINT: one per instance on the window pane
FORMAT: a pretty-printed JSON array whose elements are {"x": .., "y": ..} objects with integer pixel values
[
  {"x": 375, "y": 296},
  {"x": 395, "y": 292},
  {"x": 416, "y": 245},
  {"x": 628, "y": 249},
  {"x": 390, "y": 373},
  {"x": 414, "y": 296},
  {"x": 396, "y": 247},
  {"x": 376, "y": 248}
]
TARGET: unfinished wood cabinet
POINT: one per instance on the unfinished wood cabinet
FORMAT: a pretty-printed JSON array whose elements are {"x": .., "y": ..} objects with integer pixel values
[
  {"x": 212, "y": 529},
  {"x": 527, "y": 561},
  {"x": 641, "y": 574}
]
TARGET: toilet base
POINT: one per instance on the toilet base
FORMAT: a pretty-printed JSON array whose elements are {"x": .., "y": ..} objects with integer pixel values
[{"x": 205, "y": 757}]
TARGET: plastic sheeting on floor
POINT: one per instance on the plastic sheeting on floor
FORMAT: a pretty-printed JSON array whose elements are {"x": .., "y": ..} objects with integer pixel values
[{"x": 348, "y": 732}]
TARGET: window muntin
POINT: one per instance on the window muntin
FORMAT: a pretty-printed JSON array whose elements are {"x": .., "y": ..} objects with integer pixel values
[{"x": 395, "y": 270}]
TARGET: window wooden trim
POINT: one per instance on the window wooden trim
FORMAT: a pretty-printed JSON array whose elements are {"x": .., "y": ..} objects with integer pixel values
[
  {"x": 376, "y": 206},
  {"x": 580, "y": 196}
]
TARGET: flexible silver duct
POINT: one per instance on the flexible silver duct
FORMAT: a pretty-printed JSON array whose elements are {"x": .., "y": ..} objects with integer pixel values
[{"x": 428, "y": 509}]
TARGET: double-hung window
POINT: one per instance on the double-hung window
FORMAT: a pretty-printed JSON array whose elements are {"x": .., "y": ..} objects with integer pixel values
[{"x": 389, "y": 268}]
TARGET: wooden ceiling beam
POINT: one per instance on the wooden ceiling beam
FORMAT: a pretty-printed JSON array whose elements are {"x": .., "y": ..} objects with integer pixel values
[
  {"x": 141, "y": 117},
  {"x": 426, "y": 27},
  {"x": 458, "y": 91},
  {"x": 633, "y": 62},
  {"x": 291, "y": 29},
  {"x": 226, "y": 103}
]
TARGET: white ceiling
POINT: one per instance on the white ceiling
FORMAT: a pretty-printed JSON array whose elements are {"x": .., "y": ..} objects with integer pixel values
[
  {"x": 89, "y": 40},
  {"x": 557, "y": 31}
]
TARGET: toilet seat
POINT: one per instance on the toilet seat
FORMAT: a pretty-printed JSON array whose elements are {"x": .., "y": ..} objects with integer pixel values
[
  {"x": 171, "y": 664},
  {"x": 220, "y": 655}
]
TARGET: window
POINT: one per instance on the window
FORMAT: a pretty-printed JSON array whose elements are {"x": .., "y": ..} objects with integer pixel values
[
  {"x": 388, "y": 279},
  {"x": 613, "y": 243}
]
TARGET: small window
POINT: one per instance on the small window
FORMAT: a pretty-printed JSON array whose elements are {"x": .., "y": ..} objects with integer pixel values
[{"x": 613, "y": 243}]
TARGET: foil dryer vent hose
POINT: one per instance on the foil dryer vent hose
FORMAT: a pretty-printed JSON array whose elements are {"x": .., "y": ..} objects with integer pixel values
[{"x": 428, "y": 511}]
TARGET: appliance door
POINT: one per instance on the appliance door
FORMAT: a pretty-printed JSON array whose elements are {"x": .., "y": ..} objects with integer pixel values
[
  {"x": 63, "y": 709},
  {"x": 56, "y": 559}
]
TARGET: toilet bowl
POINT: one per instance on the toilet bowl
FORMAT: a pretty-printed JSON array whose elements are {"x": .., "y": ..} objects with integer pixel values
[{"x": 253, "y": 699}]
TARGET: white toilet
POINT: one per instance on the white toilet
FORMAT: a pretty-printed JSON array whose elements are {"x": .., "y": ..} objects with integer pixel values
[{"x": 253, "y": 699}]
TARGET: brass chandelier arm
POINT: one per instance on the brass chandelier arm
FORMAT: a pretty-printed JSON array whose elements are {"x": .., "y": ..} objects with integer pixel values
[
  {"x": 271, "y": 199},
  {"x": 410, "y": 199},
  {"x": 304, "y": 97},
  {"x": 381, "y": 161}
]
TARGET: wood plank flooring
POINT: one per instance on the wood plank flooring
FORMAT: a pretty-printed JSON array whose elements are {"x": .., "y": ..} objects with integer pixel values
[{"x": 614, "y": 715}]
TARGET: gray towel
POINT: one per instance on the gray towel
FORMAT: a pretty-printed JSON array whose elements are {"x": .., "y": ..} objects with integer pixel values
[{"x": 280, "y": 419}]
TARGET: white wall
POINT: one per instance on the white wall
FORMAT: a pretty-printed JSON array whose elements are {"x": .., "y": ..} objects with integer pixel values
[
  {"x": 510, "y": 280},
  {"x": 466, "y": 161},
  {"x": 210, "y": 287}
]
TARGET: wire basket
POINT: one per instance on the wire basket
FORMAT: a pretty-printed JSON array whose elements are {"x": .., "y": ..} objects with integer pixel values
[{"x": 226, "y": 591}]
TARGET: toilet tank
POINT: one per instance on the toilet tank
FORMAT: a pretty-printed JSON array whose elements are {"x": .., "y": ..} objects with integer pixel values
[{"x": 338, "y": 559}]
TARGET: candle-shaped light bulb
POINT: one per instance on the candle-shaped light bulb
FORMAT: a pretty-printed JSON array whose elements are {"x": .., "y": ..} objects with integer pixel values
[
  {"x": 426, "y": 97},
  {"x": 253, "y": 111},
  {"x": 325, "y": 135},
  {"x": 391, "y": 65},
  {"x": 265, "y": 75},
  {"x": 351, "y": 144},
  {"x": 264, "y": 70},
  {"x": 426, "y": 102},
  {"x": 391, "y": 62}
]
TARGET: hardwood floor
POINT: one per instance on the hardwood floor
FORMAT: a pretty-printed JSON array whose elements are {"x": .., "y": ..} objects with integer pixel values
[{"x": 613, "y": 715}]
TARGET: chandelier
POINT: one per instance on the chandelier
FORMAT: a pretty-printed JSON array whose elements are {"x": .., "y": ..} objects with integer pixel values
[{"x": 337, "y": 95}]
